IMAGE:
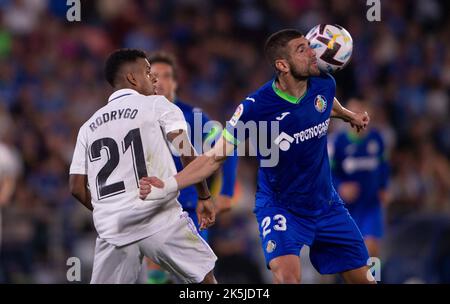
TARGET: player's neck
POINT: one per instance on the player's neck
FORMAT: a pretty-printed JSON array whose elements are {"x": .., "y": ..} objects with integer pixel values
[{"x": 292, "y": 86}]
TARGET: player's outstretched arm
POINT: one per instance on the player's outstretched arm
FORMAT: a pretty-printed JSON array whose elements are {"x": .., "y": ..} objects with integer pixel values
[
  {"x": 205, "y": 165},
  {"x": 206, "y": 210},
  {"x": 78, "y": 188},
  {"x": 181, "y": 142},
  {"x": 199, "y": 169},
  {"x": 356, "y": 120}
]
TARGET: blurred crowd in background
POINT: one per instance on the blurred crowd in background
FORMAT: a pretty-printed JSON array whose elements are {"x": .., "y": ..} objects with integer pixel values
[{"x": 51, "y": 81}]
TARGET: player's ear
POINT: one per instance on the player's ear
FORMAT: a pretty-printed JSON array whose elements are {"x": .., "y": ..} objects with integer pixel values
[
  {"x": 282, "y": 65},
  {"x": 131, "y": 79}
]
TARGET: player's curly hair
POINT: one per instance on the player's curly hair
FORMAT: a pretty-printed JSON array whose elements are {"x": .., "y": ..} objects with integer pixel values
[
  {"x": 164, "y": 57},
  {"x": 117, "y": 59},
  {"x": 275, "y": 46}
]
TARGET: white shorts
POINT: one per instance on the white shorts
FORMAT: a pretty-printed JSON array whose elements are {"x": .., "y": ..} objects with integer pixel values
[{"x": 178, "y": 248}]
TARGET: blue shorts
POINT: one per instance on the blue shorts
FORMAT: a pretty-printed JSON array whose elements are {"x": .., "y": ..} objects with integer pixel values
[
  {"x": 336, "y": 244},
  {"x": 368, "y": 220},
  {"x": 193, "y": 216}
]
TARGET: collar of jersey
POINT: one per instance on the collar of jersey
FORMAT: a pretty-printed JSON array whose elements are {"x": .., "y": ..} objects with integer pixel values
[
  {"x": 121, "y": 93},
  {"x": 286, "y": 96}
]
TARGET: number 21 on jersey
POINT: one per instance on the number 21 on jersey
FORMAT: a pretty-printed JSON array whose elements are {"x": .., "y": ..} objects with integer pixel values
[{"x": 133, "y": 140}]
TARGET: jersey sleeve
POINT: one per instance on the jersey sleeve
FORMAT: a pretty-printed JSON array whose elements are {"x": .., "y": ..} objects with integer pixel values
[
  {"x": 235, "y": 132},
  {"x": 79, "y": 159},
  {"x": 327, "y": 80},
  {"x": 210, "y": 130},
  {"x": 169, "y": 116}
]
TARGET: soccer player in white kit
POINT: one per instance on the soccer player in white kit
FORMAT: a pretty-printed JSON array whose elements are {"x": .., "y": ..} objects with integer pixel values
[{"x": 122, "y": 142}]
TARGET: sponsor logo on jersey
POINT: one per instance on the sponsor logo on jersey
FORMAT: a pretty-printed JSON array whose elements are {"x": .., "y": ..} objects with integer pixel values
[
  {"x": 271, "y": 245},
  {"x": 284, "y": 141},
  {"x": 354, "y": 164},
  {"x": 282, "y": 116},
  {"x": 320, "y": 104},
  {"x": 237, "y": 114}
]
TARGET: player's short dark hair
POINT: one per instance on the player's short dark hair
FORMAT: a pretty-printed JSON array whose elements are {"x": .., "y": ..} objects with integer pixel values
[
  {"x": 275, "y": 46},
  {"x": 119, "y": 58},
  {"x": 164, "y": 57}
]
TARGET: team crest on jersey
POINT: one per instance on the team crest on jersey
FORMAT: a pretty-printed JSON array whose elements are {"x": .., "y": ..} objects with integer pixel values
[
  {"x": 320, "y": 104},
  {"x": 237, "y": 114},
  {"x": 271, "y": 245}
]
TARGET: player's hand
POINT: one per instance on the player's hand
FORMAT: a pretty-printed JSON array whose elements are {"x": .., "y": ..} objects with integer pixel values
[
  {"x": 146, "y": 183},
  {"x": 206, "y": 213},
  {"x": 359, "y": 121},
  {"x": 349, "y": 191},
  {"x": 223, "y": 204}
]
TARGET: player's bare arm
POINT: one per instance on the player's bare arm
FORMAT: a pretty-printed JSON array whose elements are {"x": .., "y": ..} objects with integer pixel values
[
  {"x": 7, "y": 186},
  {"x": 78, "y": 188},
  {"x": 206, "y": 210},
  {"x": 223, "y": 203},
  {"x": 205, "y": 165},
  {"x": 199, "y": 169},
  {"x": 181, "y": 142},
  {"x": 356, "y": 120}
]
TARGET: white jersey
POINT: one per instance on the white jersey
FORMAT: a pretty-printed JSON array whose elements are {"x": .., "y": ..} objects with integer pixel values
[
  {"x": 10, "y": 162},
  {"x": 122, "y": 142}
]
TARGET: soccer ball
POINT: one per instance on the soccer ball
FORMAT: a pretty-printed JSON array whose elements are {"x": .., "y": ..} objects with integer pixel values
[{"x": 333, "y": 46}]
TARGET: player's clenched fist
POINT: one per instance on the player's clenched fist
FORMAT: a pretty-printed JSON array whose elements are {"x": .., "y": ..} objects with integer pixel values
[
  {"x": 360, "y": 121},
  {"x": 145, "y": 185},
  {"x": 206, "y": 213},
  {"x": 152, "y": 188}
]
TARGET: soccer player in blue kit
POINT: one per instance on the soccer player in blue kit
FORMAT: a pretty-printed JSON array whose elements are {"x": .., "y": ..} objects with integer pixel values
[
  {"x": 361, "y": 174},
  {"x": 165, "y": 70},
  {"x": 295, "y": 203}
]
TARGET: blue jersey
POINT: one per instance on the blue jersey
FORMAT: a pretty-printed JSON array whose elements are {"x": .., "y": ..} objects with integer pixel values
[
  {"x": 301, "y": 180},
  {"x": 361, "y": 160},
  {"x": 188, "y": 196}
]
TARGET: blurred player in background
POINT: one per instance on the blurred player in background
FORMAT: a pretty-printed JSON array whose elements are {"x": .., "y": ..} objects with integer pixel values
[
  {"x": 164, "y": 68},
  {"x": 10, "y": 169},
  {"x": 296, "y": 203},
  {"x": 361, "y": 175},
  {"x": 122, "y": 142}
]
